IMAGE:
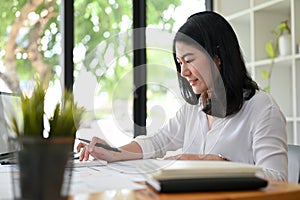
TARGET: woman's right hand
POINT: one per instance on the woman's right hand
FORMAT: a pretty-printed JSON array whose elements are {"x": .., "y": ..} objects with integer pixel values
[{"x": 96, "y": 152}]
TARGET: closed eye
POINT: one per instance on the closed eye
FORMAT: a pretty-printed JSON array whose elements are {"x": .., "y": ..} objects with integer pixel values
[{"x": 189, "y": 61}]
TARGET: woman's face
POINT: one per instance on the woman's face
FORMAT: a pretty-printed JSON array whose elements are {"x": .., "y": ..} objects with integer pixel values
[{"x": 195, "y": 66}]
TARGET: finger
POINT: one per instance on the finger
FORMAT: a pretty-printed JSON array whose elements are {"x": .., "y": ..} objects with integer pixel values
[
  {"x": 93, "y": 142},
  {"x": 80, "y": 146},
  {"x": 98, "y": 140},
  {"x": 82, "y": 154},
  {"x": 86, "y": 153}
]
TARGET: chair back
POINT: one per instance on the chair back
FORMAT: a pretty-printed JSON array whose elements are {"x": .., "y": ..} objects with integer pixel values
[{"x": 294, "y": 163}]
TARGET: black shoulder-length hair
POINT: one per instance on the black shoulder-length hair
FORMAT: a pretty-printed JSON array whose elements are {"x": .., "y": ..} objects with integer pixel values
[{"x": 215, "y": 35}]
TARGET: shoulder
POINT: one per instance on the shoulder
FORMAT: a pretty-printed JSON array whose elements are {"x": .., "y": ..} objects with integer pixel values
[
  {"x": 188, "y": 109},
  {"x": 262, "y": 104},
  {"x": 261, "y": 99}
]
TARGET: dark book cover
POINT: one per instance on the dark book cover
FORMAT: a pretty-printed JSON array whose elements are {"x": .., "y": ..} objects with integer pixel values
[{"x": 208, "y": 184}]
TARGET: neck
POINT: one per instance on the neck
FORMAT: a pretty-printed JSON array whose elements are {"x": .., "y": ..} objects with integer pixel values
[{"x": 210, "y": 120}]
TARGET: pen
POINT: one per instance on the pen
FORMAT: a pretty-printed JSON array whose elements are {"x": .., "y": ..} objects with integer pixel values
[
  {"x": 104, "y": 146},
  {"x": 8, "y": 162}
]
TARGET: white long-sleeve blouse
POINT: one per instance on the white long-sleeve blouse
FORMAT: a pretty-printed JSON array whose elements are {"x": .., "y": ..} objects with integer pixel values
[{"x": 255, "y": 135}]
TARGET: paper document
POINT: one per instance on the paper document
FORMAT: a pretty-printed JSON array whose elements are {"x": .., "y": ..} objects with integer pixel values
[
  {"x": 89, "y": 163},
  {"x": 87, "y": 180}
]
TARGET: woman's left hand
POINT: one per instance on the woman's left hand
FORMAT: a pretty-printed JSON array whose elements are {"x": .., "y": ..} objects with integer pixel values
[{"x": 195, "y": 157}]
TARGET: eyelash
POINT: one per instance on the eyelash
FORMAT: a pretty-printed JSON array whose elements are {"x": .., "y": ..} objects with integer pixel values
[{"x": 188, "y": 61}]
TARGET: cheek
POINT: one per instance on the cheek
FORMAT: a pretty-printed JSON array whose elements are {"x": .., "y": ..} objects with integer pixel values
[
  {"x": 200, "y": 76},
  {"x": 202, "y": 72}
]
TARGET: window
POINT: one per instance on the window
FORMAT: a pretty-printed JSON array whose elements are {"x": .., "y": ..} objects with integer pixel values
[
  {"x": 163, "y": 95},
  {"x": 30, "y": 44},
  {"x": 103, "y": 58}
]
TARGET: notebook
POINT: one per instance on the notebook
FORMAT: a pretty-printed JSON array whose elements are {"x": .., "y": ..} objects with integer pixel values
[
  {"x": 208, "y": 184},
  {"x": 189, "y": 176},
  {"x": 10, "y": 106}
]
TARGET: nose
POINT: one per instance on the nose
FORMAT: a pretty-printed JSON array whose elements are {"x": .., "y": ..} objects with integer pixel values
[{"x": 185, "y": 70}]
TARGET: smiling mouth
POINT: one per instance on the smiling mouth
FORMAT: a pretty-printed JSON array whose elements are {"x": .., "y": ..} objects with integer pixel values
[{"x": 193, "y": 82}]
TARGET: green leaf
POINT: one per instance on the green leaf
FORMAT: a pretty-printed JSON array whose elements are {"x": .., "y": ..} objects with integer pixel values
[
  {"x": 267, "y": 88},
  {"x": 270, "y": 49},
  {"x": 283, "y": 26},
  {"x": 265, "y": 74},
  {"x": 66, "y": 118},
  {"x": 64, "y": 122},
  {"x": 33, "y": 111}
]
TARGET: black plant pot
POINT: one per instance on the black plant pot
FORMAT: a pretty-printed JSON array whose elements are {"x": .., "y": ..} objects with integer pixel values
[{"x": 43, "y": 174}]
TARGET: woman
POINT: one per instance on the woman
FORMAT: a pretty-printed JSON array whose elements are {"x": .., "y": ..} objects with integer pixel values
[{"x": 226, "y": 117}]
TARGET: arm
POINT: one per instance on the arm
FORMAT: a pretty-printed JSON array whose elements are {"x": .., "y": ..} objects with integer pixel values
[
  {"x": 270, "y": 143},
  {"x": 168, "y": 138},
  {"x": 219, "y": 157},
  {"x": 131, "y": 151}
]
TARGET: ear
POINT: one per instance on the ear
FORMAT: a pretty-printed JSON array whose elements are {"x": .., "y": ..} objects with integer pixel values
[{"x": 217, "y": 61}]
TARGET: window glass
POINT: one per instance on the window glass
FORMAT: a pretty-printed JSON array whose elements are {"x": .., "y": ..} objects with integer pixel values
[
  {"x": 103, "y": 64},
  {"x": 30, "y": 45},
  {"x": 163, "y": 94}
]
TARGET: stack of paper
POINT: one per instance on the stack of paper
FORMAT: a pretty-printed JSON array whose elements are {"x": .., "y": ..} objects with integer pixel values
[
  {"x": 205, "y": 175},
  {"x": 205, "y": 169}
]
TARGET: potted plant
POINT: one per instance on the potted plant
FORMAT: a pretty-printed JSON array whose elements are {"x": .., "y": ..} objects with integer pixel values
[
  {"x": 281, "y": 46},
  {"x": 43, "y": 153}
]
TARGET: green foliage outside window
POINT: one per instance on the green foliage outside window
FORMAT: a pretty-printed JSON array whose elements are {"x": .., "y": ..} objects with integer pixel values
[{"x": 30, "y": 38}]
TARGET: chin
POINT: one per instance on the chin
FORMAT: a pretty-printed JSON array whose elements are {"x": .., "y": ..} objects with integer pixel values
[{"x": 197, "y": 92}]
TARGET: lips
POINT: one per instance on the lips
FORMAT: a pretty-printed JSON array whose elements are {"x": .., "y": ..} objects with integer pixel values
[{"x": 193, "y": 82}]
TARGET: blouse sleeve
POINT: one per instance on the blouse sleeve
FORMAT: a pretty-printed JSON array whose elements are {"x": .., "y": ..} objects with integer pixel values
[
  {"x": 270, "y": 141},
  {"x": 169, "y": 138}
]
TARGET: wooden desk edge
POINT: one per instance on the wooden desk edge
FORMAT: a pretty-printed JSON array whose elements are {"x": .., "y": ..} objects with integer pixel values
[{"x": 274, "y": 191}]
